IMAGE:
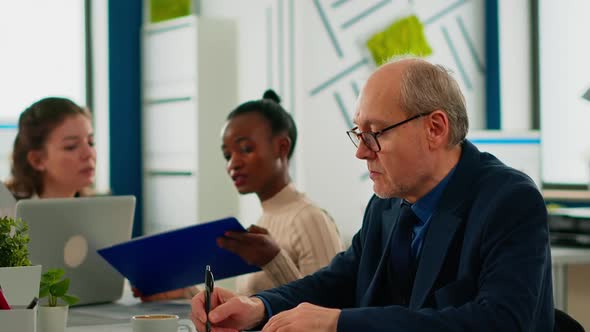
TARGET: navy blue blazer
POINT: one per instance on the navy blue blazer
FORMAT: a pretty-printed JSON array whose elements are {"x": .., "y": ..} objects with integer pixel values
[{"x": 485, "y": 263}]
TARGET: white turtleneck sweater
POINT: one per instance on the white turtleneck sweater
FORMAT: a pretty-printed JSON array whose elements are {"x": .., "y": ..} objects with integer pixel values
[{"x": 306, "y": 234}]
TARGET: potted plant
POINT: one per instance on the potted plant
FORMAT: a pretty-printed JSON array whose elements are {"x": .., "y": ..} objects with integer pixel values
[
  {"x": 18, "y": 279},
  {"x": 54, "y": 317}
]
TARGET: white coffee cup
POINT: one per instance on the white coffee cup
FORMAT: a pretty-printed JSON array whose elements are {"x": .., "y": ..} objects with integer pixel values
[{"x": 160, "y": 323}]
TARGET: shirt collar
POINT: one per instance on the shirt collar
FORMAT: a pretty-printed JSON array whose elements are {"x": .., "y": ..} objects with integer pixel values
[
  {"x": 425, "y": 206},
  {"x": 281, "y": 199}
]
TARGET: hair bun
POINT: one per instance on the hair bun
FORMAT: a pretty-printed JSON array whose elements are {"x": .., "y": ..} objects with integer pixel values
[{"x": 270, "y": 94}]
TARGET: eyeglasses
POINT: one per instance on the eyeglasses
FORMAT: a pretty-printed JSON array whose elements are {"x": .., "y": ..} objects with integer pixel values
[{"x": 370, "y": 138}]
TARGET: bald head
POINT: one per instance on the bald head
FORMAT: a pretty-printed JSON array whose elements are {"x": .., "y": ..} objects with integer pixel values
[
  {"x": 384, "y": 84},
  {"x": 398, "y": 67},
  {"x": 418, "y": 87}
]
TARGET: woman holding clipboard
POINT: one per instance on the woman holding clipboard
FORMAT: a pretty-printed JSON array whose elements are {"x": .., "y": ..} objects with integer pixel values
[{"x": 293, "y": 237}]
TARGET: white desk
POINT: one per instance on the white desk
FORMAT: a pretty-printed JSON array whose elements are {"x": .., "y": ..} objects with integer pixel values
[
  {"x": 115, "y": 317},
  {"x": 562, "y": 257}
]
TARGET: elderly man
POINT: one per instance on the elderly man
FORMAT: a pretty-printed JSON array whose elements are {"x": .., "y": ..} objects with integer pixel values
[{"x": 453, "y": 239}]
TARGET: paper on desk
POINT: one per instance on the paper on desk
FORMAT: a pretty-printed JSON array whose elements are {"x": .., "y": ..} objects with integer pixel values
[
  {"x": 115, "y": 312},
  {"x": 101, "y": 328}
]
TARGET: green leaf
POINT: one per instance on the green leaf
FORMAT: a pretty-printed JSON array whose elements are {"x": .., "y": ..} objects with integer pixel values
[
  {"x": 60, "y": 288},
  {"x": 43, "y": 291},
  {"x": 54, "y": 286},
  {"x": 403, "y": 36},
  {"x": 13, "y": 242},
  {"x": 52, "y": 276},
  {"x": 70, "y": 299}
]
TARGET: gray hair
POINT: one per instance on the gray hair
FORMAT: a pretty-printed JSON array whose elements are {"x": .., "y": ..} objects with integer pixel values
[{"x": 426, "y": 87}]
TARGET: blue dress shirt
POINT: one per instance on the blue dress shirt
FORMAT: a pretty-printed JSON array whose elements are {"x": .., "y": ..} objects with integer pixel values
[{"x": 424, "y": 209}]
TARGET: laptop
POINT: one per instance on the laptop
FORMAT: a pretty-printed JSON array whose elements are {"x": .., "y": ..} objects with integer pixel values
[{"x": 67, "y": 232}]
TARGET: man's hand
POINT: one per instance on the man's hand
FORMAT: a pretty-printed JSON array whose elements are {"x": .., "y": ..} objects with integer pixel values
[
  {"x": 228, "y": 311},
  {"x": 304, "y": 317},
  {"x": 256, "y": 247}
]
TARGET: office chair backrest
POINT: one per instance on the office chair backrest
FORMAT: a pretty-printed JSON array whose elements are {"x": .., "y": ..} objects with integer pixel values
[{"x": 566, "y": 323}]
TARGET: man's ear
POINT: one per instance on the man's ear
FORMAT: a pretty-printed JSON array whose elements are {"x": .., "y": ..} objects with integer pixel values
[
  {"x": 36, "y": 159},
  {"x": 437, "y": 128}
]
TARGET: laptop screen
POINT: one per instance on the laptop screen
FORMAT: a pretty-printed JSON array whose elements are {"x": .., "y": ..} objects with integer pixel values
[{"x": 66, "y": 233}]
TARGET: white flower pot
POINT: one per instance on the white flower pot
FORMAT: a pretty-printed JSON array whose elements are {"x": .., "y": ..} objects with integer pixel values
[
  {"x": 52, "y": 319},
  {"x": 20, "y": 284},
  {"x": 18, "y": 319}
]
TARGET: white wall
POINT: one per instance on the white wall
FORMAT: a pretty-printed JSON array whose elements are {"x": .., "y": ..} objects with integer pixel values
[
  {"x": 100, "y": 91},
  {"x": 304, "y": 59},
  {"x": 565, "y": 76},
  {"x": 515, "y": 64},
  {"x": 252, "y": 63}
]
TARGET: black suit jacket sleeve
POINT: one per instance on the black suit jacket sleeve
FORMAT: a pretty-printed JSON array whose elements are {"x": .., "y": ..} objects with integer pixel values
[{"x": 339, "y": 279}]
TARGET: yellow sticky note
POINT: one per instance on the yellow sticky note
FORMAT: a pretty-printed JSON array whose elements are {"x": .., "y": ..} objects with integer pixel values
[
  {"x": 161, "y": 10},
  {"x": 404, "y": 36}
]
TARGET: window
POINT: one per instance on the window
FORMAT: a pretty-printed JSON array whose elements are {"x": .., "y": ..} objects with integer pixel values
[{"x": 43, "y": 54}]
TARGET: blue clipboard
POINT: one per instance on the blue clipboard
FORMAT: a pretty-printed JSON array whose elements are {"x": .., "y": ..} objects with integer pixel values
[{"x": 175, "y": 259}]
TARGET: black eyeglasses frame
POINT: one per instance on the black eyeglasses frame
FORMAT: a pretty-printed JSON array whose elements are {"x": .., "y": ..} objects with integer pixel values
[{"x": 364, "y": 135}]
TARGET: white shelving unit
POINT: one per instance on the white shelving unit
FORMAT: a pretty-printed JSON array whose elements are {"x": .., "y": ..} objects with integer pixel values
[{"x": 189, "y": 85}]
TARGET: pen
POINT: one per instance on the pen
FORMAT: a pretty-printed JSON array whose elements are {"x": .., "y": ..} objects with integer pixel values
[
  {"x": 33, "y": 303},
  {"x": 3, "y": 303},
  {"x": 209, "y": 284}
]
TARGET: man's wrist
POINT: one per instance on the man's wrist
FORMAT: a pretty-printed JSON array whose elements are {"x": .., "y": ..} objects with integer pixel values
[{"x": 260, "y": 313}]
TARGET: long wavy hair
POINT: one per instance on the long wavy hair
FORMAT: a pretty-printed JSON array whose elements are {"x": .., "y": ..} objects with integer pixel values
[{"x": 34, "y": 126}]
